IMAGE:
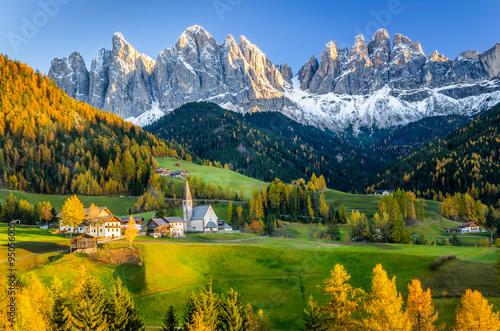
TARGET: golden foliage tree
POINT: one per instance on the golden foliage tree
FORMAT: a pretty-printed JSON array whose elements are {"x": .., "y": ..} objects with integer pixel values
[
  {"x": 384, "y": 304},
  {"x": 131, "y": 231},
  {"x": 474, "y": 313},
  {"x": 73, "y": 213},
  {"x": 419, "y": 309},
  {"x": 344, "y": 299}
]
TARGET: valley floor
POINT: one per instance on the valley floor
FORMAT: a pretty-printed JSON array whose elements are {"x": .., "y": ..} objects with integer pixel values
[{"x": 273, "y": 274}]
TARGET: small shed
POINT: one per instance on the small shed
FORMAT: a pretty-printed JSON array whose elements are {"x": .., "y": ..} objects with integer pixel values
[{"x": 84, "y": 243}]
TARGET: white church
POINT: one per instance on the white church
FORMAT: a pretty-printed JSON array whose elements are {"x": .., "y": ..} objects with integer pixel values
[{"x": 201, "y": 218}]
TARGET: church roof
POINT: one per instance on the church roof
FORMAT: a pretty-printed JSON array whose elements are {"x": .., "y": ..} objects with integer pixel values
[
  {"x": 211, "y": 225},
  {"x": 199, "y": 212},
  {"x": 187, "y": 192}
]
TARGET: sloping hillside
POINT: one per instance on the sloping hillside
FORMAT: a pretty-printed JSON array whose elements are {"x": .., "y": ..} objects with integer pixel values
[
  {"x": 466, "y": 160},
  {"x": 50, "y": 143}
]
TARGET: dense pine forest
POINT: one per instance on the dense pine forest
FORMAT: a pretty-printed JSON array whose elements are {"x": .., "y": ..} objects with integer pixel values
[
  {"x": 51, "y": 143},
  {"x": 467, "y": 160},
  {"x": 264, "y": 145}
]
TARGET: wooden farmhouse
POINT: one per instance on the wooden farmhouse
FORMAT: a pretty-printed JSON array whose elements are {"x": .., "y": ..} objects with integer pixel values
[
  {"x": 163, "y": 172},
  {"x": 169, "y": 227},
  {"x": 182, "y": 174},
  {"x": 84, "y": 243},
  {"x": 469, "y": 227}
]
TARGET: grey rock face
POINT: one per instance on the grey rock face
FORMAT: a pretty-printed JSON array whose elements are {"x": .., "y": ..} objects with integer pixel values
[
  {"x": 379, "y": 49},
  {"x": 491, "y": 61},
  {"x": 407, "y": 59},
  {"x": 71, "y": 75},
  {"x": 435, "y": 68},
  {"x": 99, "y": 78},
  {"x": 329, "y": 68},
  {"x": 286, "y": 72},
  {"x": 359, "y": 71},
  {"x": 307, "y": 72}
]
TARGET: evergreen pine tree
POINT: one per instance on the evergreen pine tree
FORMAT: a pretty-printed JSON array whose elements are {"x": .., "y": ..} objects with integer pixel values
[
  {"x": 170, "y": 322},
  {"x": 189, "y": 313},
  {"x": 61, "y": 309},
  {"x": 89, "y": 309},
  {"x": 232, "y": 315},
  {"x": 313, "y": 320},
  {"x": 121, "y": 311}
]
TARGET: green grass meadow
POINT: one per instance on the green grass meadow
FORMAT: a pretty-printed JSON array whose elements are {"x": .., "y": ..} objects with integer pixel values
[
  {"x": 216, "y": 175},
  {"x": 273, "y": 274}
]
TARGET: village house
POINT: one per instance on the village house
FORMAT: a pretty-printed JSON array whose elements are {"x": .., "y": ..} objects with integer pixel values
[
  {"x": 139, "y": 222},
  {"x": 469, "y": 227},
  {"x": 163, "y": 172},
  {"x": 182, "y": 174},
  {"x": 104, "y": 225},
  {"x": 382, "y": 192},
  {"x": 170, "y": 227}
]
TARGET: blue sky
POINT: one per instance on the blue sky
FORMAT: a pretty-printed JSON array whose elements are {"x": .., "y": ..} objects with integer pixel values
[{"x": 35, "y": 31}]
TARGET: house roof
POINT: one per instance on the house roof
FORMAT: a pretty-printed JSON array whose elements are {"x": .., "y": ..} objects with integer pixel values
[
  {"x": 84, "y": 235},
  {"x": 100, "y": 220},
  {"x": 211, "y": 225},
  {"x": 162, "y": 170},
  {"x": 381, "y": 191},
  {"x": 226, "y": 226},
  {"x": 199, "y": 212},
  {"x": 158, "y": 221},
  {"x": 137, "y": 219},
  {"x": 178, "y": 172},
  {"x": 467, "y": 224},
  {"x": 174, "y": 219}
]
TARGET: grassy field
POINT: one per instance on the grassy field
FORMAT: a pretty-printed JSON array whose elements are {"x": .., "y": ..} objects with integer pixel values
[
  {"x": 217, "y": 176},
  {"x": 117, "y": 205},
  {"x": 369, "y": 203},
  {"x": 222, "y": 236},
  {"x": 274, "y": 274}
]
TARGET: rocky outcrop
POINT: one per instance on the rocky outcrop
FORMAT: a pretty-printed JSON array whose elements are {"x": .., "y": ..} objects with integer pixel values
[
  {"x": 72, "y": 76},
  {"x": 307, "y": 72},
  {"x": 365, "y": 84}
]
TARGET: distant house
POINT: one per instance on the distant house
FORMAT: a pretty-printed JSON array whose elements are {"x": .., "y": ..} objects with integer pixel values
[
  {"x": 382, "y": 192},
  {"x": 105, "y": 224},
  {"x": 163, "y": 172},
  {"x": 139, "y": 221},
  {"x": 469, "y": 227},
  {"x": 182, "y": 174},
  {"x": 170, "y": 227},
  {"x": 225, "y": 228}
]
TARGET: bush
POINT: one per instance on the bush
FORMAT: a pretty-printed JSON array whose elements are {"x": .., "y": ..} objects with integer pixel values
[{"x": 440, "y": 260}]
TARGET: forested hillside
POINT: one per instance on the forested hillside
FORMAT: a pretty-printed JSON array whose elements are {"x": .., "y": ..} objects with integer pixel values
[
  {"x": 50, "y": 143},
  {"x": 467, "y": 160},
  {"x": 264, "y": 145}
]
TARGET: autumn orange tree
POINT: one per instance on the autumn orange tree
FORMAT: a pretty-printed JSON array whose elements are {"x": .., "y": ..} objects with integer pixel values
[
  {"x": 474, "y": 313},
  {"x": 131, "y": 231},
  {"x": 73, "y": 213},
  {"x": 384, "y": 304},
  {"x": 419, "y": 307},
  {"x": 344, "y": 299}
]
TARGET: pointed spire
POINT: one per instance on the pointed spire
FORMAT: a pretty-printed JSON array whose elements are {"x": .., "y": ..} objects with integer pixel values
[{"x": 187, "y": 192}]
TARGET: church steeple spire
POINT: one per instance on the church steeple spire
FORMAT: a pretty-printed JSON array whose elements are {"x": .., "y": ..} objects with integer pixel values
[{"x": 187, "y": 208}]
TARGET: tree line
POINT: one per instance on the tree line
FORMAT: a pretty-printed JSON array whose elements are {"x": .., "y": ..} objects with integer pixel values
[{"x": 383, "y": 308}]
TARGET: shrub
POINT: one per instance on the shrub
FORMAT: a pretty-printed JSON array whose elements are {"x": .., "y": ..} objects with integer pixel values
[{"x": 440, "y": 260}]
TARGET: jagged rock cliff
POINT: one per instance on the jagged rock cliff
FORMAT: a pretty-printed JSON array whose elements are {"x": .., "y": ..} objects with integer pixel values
[{"x": 364, "y": 85}]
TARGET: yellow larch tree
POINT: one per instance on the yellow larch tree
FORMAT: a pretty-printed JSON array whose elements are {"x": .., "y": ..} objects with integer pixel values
[
  {"x": 131, "y": 231},
  {"x": 419, "y": 307},
  {"x": 384, "y": 304},
  {"x": 474, "y": 313},
  {"x": 73, "y": 213},
  {"x": 344, "y": 299}
]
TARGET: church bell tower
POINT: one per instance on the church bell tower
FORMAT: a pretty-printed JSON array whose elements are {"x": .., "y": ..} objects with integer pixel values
[{"x": 187, "y": 208}]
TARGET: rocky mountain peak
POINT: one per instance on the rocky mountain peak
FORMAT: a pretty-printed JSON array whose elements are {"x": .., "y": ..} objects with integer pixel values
[
  {"x": 358, "y": 53},
  {"x": 307, "y": 72},
  {"x": 471, "y": 55},
  {"x": 436, "y": 57},
  {"x": 379, "y": 49}
]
